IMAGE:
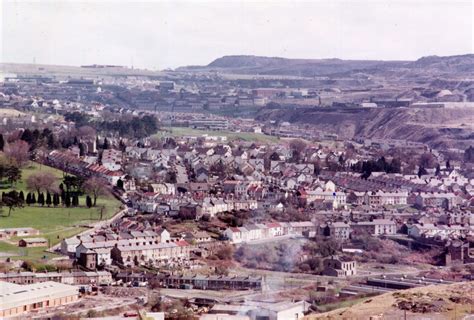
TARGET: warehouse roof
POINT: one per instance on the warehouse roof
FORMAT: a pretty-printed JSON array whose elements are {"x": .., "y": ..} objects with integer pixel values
[{"x": 15, "y": 295}]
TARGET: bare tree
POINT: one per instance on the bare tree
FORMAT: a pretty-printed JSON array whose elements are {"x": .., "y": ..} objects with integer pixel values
[
  {"x": 96, "y": 187},
  {"x": 298, "y": 145},
  {"x": 18, "y": 152},
  {"x": 40, "y": 181},
  {"x": 86, "y": 132}
]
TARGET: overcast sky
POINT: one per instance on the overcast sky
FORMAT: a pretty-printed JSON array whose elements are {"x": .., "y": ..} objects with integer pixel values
[{"x": 162, "y": 34}]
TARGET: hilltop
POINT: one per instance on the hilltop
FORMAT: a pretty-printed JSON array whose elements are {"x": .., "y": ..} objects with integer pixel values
[{"x": 248, "y": 64}]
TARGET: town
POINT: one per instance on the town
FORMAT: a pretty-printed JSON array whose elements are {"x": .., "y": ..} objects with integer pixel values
[
  {"x": 251, "y": 188},
  {"x": 196, "y": 204}
]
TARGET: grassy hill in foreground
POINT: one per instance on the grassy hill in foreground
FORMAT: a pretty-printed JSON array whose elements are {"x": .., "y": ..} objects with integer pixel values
[
  {"x": 53, "y": 223},
  {"x": 452, "y": 301}
]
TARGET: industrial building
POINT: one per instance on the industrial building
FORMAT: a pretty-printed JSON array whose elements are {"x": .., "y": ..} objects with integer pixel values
[
  {"x": 17, "y": 300},
  {"x": 212, "y": 282}
]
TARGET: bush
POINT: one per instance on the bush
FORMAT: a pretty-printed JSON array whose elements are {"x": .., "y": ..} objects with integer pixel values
[{"x": 225, "y": 253}]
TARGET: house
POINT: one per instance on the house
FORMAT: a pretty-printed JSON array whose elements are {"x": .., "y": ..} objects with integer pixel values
[
  {"x": 338, "y": 230},
  {"x": 436, "y": 199},
  {"x": 234, "y": 234},
  {"x": 112, "y": 159},
  {"x": 151, "y": 253},
  {"x": 381, "y": 198},
  {"x": 376, "y": 227},
  {"x": 440, "y": 232},
  {"x": 339, "y": 267},
  {"x": 18, "y": 232},
  {"x": 338, "y": 199},
  {"x": 88, "y": 259},
  {"x": 33, "y": 242},
  {"x": 162, "y": 188}
]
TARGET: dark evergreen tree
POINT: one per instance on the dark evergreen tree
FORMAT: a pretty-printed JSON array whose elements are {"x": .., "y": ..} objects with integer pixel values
[
  {"x": 28, "y": 198},
  {"x": 75, "y": 200},
  {"x": 88, "y": 202},
  {"x": 82, "y": 149},
  {"x": 122, "y": 146},
  {"x": 106, "y": 144},
  {"x": 422, "y": 171},
  {"x": 27, "y": 136},
  {"x": 49, "y": 201},
  {"x": 120, "y": 184},
  {"x": 51, "y": 142},
  {"x": 22, "y": 196},
  {"x": 33, "y": 198},
  {"x": 2, "y": 142},
  {"x": 67, "y": 200},
  {"x": 56, "y": 200},
  {"x": 41, "y": 199}
]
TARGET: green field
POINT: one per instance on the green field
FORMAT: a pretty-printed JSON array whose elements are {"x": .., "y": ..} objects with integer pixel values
[
  {"x": 246, "y": 136},
  {"x": 54, "y": 224}
]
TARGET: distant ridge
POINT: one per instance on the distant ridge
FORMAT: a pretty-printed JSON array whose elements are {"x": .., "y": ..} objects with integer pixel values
[{"x": 248, "y": 64}]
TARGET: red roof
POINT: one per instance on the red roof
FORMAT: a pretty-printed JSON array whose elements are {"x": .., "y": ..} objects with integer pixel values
[{"x": 273, "y": 225}]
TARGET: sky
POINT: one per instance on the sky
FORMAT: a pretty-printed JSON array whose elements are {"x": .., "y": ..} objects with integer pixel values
[{"x": 167, "y": 34}]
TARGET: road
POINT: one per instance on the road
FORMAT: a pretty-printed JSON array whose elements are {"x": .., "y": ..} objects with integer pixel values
[{"x": 93, "y": 227}]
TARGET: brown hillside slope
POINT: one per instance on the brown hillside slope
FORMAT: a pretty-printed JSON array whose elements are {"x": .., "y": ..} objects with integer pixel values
[
  {"x": 438, "y": 127},
  {"x": 432, "y": 302}
]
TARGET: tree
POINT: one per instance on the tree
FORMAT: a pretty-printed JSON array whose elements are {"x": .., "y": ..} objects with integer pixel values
[
  {"x": 75, "y": 200},
  {"x": 427, "y": 160},
  {"x": 52, "y": 144},
  {"x": 13, "y": 174},
  {"x": 101, "y": 212},
  {"x": 2, "y": 142},
  {"x": 120, "y": 184},
  {"x": 41, "y": 181},
  {"x": 170, "y": 177},
  {"x": 438, "y": 170},
  {"x": 88, "y": 201},
  {"x": 421, "y": 171},
  {"x": 27, "y": 136},
  {"x": 22, "y": 196},
  {"x": 12, "y": 200},
  {"x": 28, "y": 198},
  {"x": 48, "y": 199},
  {"x": 106, "y": 144},
  {"x": 63, "y": 197},
  {"x": 17, "y": 152},
  {"x": 56, "y": 200},
  {"x": 468, "y": 154},
  {"x": 41, "y": 199},
  {"x": 82, "y": 149},
  {"x": 73, "y": 182},
  {"x": 95, "y": 187},
  {"x": 298, "y": 146},
  {"x": 33, "y": 198},
  {"x": 67, "y": 200}
]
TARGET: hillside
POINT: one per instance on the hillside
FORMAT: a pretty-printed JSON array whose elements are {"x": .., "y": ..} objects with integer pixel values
[
  {"x": 282, "y": 66},
  {"x": 433, "y": 65},
  {"x": 433, "y": 302},
  {"x": 438, "y": 127}
]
